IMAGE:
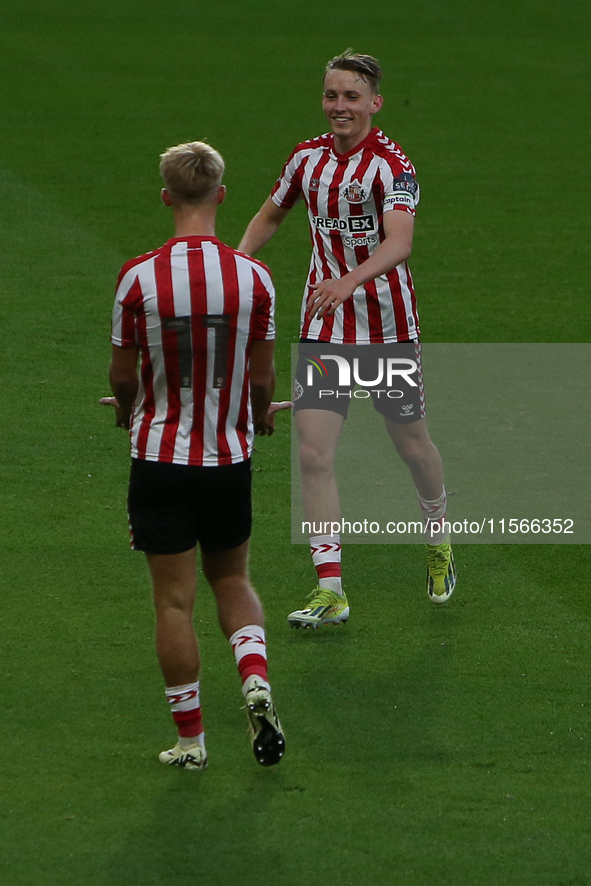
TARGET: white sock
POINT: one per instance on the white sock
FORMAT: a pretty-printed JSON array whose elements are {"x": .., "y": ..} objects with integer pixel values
[
  {"x": 333, "y": 583},
  {"x": 188, "y": 742},
  {"x": 326, "y": 557},
  {"x": 434, "y": 515}
]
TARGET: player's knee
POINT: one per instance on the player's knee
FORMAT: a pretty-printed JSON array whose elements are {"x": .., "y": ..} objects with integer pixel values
[
  {"x": 314, "y": 460},
  {"x": 414, "y": 452},
  {"x": 173, "y": 602}
]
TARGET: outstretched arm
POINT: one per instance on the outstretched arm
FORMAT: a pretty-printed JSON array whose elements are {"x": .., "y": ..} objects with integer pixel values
[
  {"x": 262, "y": 227},
  {"x": 395, "y": 248}
]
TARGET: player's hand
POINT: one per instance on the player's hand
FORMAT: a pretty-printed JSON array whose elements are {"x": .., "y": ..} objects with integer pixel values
[
  {"x": 121, "y": 421},
  {"x": 328, "y": 295},
  {"x": 277, "y": 407},
  {"x": 266, "y": 427}
]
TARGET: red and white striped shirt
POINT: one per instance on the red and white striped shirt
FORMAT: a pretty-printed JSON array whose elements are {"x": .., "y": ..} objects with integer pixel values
[
  {"x": 193, "y": 307},
  {"x": 346, "y": 196}
]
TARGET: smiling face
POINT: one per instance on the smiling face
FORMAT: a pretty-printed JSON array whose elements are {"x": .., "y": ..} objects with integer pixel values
[{"x": 349, "y": 103}]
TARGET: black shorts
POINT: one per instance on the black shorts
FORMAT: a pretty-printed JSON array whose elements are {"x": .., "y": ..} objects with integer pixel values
[
  {"x": 173, "y": 507},
  {"x": 331, "y": 376}
]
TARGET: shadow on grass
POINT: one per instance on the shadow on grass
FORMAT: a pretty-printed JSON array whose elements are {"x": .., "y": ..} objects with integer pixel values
[{"x": 210, "y": 828}]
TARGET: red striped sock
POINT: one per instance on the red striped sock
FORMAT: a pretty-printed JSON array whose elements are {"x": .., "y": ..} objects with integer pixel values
[
  {"x": 326, "y": 557},
  {"x": 185, "y": 708},
  {"x": 250, "y": 651}
]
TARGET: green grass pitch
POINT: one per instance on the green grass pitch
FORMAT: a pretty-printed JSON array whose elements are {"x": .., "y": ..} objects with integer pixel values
[{"x": 425, "y": 745}]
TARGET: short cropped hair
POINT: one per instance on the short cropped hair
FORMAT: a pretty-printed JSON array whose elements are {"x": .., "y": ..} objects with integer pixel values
[
  {"x": 191, "y": 172},
  {"x": 366, "y": 66}
]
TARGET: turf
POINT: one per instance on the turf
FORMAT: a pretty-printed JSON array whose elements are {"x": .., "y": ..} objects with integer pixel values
[{"x": 424, "y": 744}]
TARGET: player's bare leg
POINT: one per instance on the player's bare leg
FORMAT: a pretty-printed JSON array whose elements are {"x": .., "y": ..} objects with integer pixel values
[
  {"x": 236, "y": 600},
  {"x": 422, "y": 457},
  {"x": 318, "y": 435},
  {"x": 416, "y": 449},
  {"x": 241, "y": 619},
  {"x": 174, "y": 586}
]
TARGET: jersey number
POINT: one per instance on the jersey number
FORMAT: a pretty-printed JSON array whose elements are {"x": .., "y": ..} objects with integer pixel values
[{"x": 220, "y": 323}]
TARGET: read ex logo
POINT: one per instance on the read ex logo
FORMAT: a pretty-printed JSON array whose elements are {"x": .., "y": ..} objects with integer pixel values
[{"x": 353, "y": 224}]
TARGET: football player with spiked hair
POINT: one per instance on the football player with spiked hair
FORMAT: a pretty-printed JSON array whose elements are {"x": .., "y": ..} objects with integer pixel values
[
  {"x": 199, "y": 318},
  {"x": 361, "y": 195}
]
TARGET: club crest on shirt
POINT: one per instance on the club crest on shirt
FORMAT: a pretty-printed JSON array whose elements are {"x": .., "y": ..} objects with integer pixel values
[
  {"x": 314, "y": 184},
  {"x": 354, "y": 192}
]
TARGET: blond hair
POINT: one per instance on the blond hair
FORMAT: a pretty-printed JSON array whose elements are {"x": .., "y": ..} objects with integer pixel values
[
  {"x": 366, "y": 66},
  {"x": 191, "y": 172}
]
